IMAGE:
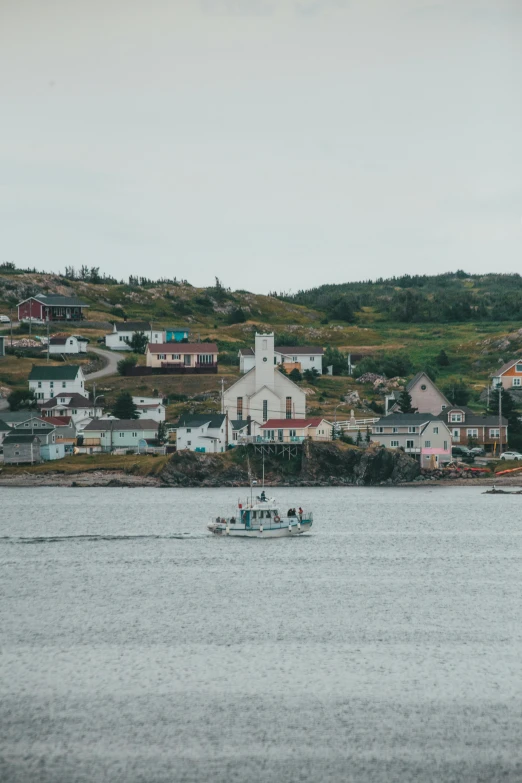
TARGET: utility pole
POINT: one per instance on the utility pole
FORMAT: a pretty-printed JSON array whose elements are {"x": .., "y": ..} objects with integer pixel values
[
  {"x": 47, "y": 338},
  {"x": 222, "y": 395},
  {"x": 500, "y": 389},
  {"x": 11, "y": 311}
]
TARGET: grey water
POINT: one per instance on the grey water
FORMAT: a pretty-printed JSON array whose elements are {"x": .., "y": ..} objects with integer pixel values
[{"x": 384, "y": 646}]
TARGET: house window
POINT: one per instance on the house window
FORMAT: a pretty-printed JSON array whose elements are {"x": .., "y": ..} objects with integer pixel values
[
  {"x": 265, "y": 408},
  {"x": 294, "y": 359},
  {"x": 409, "y": 444},
  {"x": 176, "y": 356},
  {"x": 288, "y": 408},
  {"x": 494, "y": 432},
  {"x": 455, "y": 434},
  {"x": 292, "y": 433},
  {"x": 62, "y": 399},
  {"x": 39, "y": 384},
  {"x": 51, "y": 384},
  {"x": 395, "y": 429},
  {"x": 455, "y": 416},
  {"x": 189, "y": 443},
  {"x": 189, "y": 429},
  {"x": 394, "y": 444},
  {"x": 75, "y": 412},
  {"x": 518, "y": 368},
  {"x": 134, "y": 434},
  {"x": 473, "y": 433},
  {"x": 162, "y": 356},
  {"x": 435, "y": 430},
  {"x": 378, "y": 429},
  {"x": 205, "y": 358},
  {"x": 120, "y": 434},
  {"x": 445, "y": 445},
  {"x": 121, "y": 339},
  {"x": 64, "y": 384},
  {"x": 312, "y": 359},
  {"x": 239, "y": 407},
  {"x": 427, "y": 444},
  {"x": 412, "y": 429},
  {"x": 517, "y": 381}
]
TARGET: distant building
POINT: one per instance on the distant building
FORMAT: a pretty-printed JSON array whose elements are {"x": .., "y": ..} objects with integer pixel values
[
  {"x": 67, "y": 344},
  {"x": 176, "y": 335},
  {"x": 52, "y": 307},
  {"x": 150, "y": 408},
  {"x": 466, "y": 426},
  {"x": 75, "y": 406},
  {"x": 509, "y": 375},
  {"x": 301, "y": 357},
  {"x": 123, "y": 332},
  {"x": 21, "y": 447},
  {"x": 48, "y": 381},
  {"x": 426, "y": 397},
  {"x": 296, "y": 430},
  {"x": 112, "y": 434},
  {"x": 205, "y": 433},
  {"x": 264, "y": 392},
  {"x": 421, "y": 435},
  {"x": 202, "y": 357}
]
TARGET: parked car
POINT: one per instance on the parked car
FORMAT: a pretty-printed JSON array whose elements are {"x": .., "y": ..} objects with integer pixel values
[
  {"x": 478, "y": 451},
  {"x": 511, "y": 455},
  {"x": 4, "y": 319},
  {"x": 463, "y": 453}
]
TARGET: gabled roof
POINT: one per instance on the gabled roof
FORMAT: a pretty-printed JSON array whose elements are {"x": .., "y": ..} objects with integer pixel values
[
  {"x": 507, "y": 366},
  {"x": 3, "y": 426},
  {"x": 50, "y": 372},
  {"x": 55, "y": 300},
  {"x": 283, "y": 424},
  {"x": 15, "y": 436},
  {"x": 299, "y": 350},
  {"x": 75, "y": 401},
  {"x": 182, "y": 348},
  {"x": 214, "y": 420},
  {"x": 121, "y": 424},
  {"x": 59, "y": 421},
  {"x": 58, "y": 340},
  {"x": 240, "y": 424},
  {"x": 416, "y": 378},
  {"x": 133, "y": 326},
  {"x": 12, "y": 417},
  {"x": 406, "y": 419},
  {"x": 470, "y": 418},
  {"x": 246, "y": 352}
]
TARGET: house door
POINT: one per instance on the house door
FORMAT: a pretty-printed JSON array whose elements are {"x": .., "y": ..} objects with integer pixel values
[
  {"x": 186, "y": 360},
  {"x": 280, "y": 436},
  {"x": 68, "y": 313}
]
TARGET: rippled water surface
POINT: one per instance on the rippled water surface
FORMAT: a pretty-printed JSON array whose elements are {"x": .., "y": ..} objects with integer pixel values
[{"x": 385, "y": 646}]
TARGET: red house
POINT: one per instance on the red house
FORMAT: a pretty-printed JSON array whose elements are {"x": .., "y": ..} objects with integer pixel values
[{"x": 53, "y": 307}]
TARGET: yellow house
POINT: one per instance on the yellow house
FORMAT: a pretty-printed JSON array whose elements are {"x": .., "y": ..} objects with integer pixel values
[
  {"x": 171, "y": 355},
  {"x": 295, "y": 430}
]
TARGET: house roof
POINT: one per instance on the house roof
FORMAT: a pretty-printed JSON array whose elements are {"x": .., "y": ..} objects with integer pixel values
[
  {"x": 470, "y": 418},
  {"x": 59, "y": 421},
  {"x": 299, "y": 350},
  {"x": 283, "y": 424},
  {"x": 214, "y": 420},
  {"x": 507, "y": 366},
  {"x": 394, "y": 419},
  {"x": 417, "y": 377},
  {"x": 20, "y": 437},
  {"x": 246, "y": 352},
  {"x": 75, "y": 401},
  {"x": 3, "y": 426},
  {"x": 182, "y": 348},
  {"x": 121, "y": 424},
  {"x": 239, "y": 424},
  {"x": 12, "y": 417},
  {"x": 58, "y": 340},
  {"x": 56, "y": 300},
  {"x": 49, "y": 372},
  {"x": 133, "y": 326}
]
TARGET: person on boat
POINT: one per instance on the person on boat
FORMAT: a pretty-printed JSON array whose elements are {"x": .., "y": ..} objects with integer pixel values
[
  {"x": 301, "y": 512},
  {"x": 263, "y": 497}
]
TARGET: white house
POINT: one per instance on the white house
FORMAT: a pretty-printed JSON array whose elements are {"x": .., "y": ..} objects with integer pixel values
[
  {"x": 76, "y": 406},
  {"x": 150, "y": 408},
  {"x": 110, "y": 434},
  {"x": 300, "y": 357},
  {"x": 264, "y": 392},
  {"x": 205, "y": 433},
  {"x": 67, "y": 343},
  {"x": 123, "y": 332},
  {"x": 48, "y": 381}
]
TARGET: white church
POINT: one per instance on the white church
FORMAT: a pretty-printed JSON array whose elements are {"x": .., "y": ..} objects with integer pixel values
[{"x": 264, "y": 392}]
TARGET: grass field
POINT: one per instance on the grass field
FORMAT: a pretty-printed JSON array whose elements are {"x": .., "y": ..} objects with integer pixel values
[{"x": 135, "y": 464}]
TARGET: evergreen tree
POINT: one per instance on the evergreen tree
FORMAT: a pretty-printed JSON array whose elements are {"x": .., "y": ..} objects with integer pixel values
[
  {"x": 457, "y": 393},
  {"x": 368, "y": 436},
  {"x": 442, "y": 359},
  {"x": 358, "y": 439},
  {"x": 124, "y": 407},
  {"x": 126, "y": 364},
  {"x": 21, "y": 399},
  {"x": 295, "y": 375},
  {"x": 162, "y": 432},
  {"x": 237, "y": 316},
  {"x": 405, "y": 405}
]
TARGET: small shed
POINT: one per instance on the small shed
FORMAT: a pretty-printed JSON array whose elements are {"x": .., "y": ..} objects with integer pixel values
[
  {"x": 51, "y": 451},
  {"x": 21, "y": 447}
]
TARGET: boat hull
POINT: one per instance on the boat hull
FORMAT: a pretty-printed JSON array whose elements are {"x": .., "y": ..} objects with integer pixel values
[{"x": 293, "y": 529}]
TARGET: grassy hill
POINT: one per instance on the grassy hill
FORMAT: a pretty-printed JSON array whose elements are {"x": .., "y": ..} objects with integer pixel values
[{"x": 360, "y": 318}]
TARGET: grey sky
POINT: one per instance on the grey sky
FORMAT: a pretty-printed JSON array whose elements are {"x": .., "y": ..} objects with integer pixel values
[{"x": 278, "y": 144}]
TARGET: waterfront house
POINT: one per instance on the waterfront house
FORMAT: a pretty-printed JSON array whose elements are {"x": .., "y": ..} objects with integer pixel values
[
  {"x": 421, "y": 435},
  {"x": 204, "y": 432},
  {"x": 21, "y": 447},
  {"x": 301, "y": 357},
  {"x": 48, "y": 381},
  {"x": 176, "y": 335},
  {"x": 426, "y": 397},
  {"x": 183, "y": 357},
  {"x": 123, "y": 332},
  {"x": 110, "y": 434},
  {"x": 76, "y": 406},
  {"x": 509, "y": 375},
  {"x": 67, "y": 344},
  {"x": 468, "y": 428},
  {"x": 150, "y": 408},
  {"x": 264, "y": 392},
  {"x": 296, "y": 430},
  {"x": 52, "y": 307}
]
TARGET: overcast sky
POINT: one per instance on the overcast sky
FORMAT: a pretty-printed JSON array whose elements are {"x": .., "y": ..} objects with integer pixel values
[{"x": 278, "y": 144}]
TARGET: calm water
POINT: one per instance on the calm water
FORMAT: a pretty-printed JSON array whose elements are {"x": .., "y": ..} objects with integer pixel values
[{"x": 386, "y": 646}]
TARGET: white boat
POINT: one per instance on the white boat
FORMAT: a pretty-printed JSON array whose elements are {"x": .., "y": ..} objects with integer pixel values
[{"x": 260, "y": 518}]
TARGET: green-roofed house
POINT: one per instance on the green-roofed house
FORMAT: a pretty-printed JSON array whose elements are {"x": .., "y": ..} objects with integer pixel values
[
  {"x": 203, "y": 432},
  {"x": 51, "y": 307},
  {"x": 48, "y": 381}
]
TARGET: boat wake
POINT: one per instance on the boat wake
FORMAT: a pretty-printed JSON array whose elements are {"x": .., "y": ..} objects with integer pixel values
[{"x": 95, "y": 537}]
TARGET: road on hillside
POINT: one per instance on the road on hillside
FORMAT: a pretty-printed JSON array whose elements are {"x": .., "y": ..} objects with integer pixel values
[{"x": 111, "y": 367}]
